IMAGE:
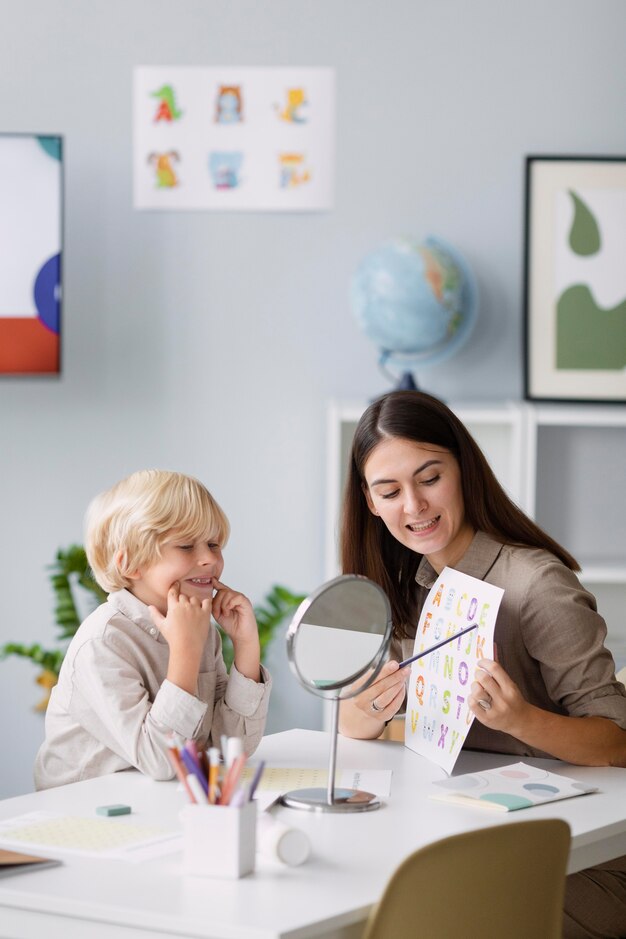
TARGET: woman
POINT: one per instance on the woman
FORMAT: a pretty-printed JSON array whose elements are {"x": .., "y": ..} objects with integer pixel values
[{"x": 420, "y": 496}]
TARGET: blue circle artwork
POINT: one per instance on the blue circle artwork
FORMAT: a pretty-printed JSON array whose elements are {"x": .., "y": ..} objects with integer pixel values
[
  {"x": 540, "y": 788},
  {"x": 46, "y": 293}
]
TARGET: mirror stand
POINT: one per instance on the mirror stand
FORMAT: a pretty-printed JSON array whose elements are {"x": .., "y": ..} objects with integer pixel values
[{"x": 331, "y": 799}]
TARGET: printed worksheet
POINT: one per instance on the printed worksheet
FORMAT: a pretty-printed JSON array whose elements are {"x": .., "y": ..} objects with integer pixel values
[
  {"x": 279, "y": 779},
  {"x": 58, "y": 835},
  {"x": 437, "y": 716}
]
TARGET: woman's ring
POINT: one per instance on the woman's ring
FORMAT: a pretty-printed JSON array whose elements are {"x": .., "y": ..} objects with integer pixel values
[
  {"x": 485, "y": 703},
  {"x": 375, "y": 707}
]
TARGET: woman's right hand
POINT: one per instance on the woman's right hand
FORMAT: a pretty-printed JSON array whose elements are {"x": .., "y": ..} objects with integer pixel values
[{"x": 365, "y": 715}]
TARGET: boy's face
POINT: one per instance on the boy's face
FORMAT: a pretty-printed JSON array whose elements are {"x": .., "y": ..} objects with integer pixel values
[{"x": 195, "y": 565}]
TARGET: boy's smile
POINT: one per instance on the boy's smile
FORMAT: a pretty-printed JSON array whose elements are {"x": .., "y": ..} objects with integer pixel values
[{"x": 195, "y": 565}]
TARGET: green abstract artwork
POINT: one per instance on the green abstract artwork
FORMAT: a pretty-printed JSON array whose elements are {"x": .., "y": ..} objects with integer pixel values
[
  {"x": 591, "y": 334},
  {"x": 584, "y": 236},
  {"x": 587, "y": 335}
]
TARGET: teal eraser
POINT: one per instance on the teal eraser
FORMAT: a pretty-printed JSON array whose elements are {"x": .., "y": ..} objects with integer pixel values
[{"x": 113, "y": 810}]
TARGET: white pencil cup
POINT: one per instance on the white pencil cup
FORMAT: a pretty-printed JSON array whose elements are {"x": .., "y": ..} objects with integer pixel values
[{"x": 219, "y": 840}]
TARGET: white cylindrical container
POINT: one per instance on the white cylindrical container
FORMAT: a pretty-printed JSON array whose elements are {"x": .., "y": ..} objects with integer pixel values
[{"x": 281, "y": 843}]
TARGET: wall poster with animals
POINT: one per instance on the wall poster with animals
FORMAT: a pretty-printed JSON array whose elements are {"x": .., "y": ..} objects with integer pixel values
[{"x": 234, "y": 138}]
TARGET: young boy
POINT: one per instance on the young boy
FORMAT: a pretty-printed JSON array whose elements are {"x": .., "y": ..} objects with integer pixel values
[{"x": 148, "y": 661}]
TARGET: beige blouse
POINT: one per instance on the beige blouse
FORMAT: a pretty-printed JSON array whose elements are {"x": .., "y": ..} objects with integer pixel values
[
  {"x": 113, "y": 708},
  {"x": 548, "y": 634}
]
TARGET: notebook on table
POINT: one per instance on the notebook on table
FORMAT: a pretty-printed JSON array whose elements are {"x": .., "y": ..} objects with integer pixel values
[
  {"x": 14, "y": 862},
  {"x": 508, "y": 788}
]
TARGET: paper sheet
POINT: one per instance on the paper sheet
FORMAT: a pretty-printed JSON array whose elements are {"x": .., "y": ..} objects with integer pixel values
[
  {"x": 88, "y": 837},
  {"x": 279, "y": 779},
  {"x": 437, "y": 715}
]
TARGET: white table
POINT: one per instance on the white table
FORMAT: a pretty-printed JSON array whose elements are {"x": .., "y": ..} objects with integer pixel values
[{"x": 330, "y": 895}]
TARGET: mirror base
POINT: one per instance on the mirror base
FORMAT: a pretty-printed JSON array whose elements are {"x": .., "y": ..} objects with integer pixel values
[{"x": 344, "y": 800}]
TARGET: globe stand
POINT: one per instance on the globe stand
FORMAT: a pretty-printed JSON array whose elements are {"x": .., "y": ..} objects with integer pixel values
[{"x": 406, "y": 382}]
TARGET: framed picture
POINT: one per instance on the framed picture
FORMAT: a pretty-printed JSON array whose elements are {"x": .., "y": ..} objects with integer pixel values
[
  {"x": 31, "y": 196},
  {"x": 575, "y": 279}
]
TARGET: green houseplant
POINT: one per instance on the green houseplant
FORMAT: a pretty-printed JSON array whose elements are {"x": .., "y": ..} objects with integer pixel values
[
  {"x": 72, "y": 581},
  {"x": 69, "y": 576}
]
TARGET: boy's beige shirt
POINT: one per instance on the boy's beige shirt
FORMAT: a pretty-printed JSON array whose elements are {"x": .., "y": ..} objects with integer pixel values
[{"x": 113, "y": 708}]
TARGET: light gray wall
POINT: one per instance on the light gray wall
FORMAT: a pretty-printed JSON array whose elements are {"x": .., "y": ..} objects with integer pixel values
[{"x": 212, "y": 343}]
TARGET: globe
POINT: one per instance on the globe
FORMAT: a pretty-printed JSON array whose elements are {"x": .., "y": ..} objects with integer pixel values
[{"x": 416, "y": 301}]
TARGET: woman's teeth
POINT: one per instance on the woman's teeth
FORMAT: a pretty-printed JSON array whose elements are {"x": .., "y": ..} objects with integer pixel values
[{"x": 423, "y": 526}]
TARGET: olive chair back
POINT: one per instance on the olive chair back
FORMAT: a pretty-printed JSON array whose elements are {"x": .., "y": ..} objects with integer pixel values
[{"x": 504, "y": 882}]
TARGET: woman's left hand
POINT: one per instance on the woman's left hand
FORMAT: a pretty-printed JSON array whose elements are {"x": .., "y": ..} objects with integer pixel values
[{"x": 496, "y": 701}]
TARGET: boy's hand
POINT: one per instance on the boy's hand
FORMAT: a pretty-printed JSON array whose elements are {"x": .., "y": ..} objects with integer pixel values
[
  {"x": 233, "y": 612},
  {"x": 185, "y": 628}
]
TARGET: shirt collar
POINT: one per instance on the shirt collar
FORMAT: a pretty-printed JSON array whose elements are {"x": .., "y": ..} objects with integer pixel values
[
  {"x": 477, "y": 560},
  {"x": 134, "y": 608}
]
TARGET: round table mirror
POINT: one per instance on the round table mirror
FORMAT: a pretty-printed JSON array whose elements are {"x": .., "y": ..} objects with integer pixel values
[{"x": 336, "y": 645}]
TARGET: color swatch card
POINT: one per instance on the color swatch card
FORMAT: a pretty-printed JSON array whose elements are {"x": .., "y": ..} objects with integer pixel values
[
  {"x": 509, "y": 788},
  {"x": 437, "y": 715}
]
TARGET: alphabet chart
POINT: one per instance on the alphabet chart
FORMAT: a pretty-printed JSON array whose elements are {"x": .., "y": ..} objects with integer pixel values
[{"x": 437, "y": 715}]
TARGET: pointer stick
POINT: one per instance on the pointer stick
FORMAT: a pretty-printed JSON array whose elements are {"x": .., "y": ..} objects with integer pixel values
[{"x": 438, "y": 646}]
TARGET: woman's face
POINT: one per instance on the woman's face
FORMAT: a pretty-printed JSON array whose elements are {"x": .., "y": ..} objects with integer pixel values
[{"x": 415, "y": 488}]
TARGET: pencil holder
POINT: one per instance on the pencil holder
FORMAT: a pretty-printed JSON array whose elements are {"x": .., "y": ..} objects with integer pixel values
[{"x": 219, "y": 840}]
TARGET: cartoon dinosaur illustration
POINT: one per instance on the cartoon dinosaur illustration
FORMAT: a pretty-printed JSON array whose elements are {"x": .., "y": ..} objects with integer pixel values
[
  {"x": 167, "y": 110},
  {"x": 165, "y": 175}
]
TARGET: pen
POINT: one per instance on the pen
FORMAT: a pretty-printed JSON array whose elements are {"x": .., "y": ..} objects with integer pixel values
[
  {"x": 234, "y": 748},
  {"x": 438, "y": 646},
  {"x": 174, "y": 758},
  {"x": 239, "y": 798},
  {"x": 214, "y": 768},
  {"x": 193, "y": 768},
  {"x": 256, "y": 779},
  {"x": 197, "y": 790},
  {"x": 192, "y": 750},
  {"x": 232, "y": 779},
  {"x": 199, "y": 757}
]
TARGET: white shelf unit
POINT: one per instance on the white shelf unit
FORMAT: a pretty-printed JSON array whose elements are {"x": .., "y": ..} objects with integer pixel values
[{"x": 564, "y": 465}]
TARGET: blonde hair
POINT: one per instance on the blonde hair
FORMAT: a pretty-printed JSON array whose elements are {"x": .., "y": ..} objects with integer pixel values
[{"x": 126, "y": 526}]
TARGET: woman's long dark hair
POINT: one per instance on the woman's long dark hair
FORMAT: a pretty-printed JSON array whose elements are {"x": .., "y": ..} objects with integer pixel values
[{"x": 368, "y": 548}]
